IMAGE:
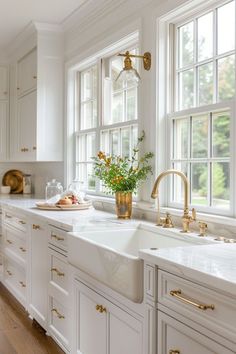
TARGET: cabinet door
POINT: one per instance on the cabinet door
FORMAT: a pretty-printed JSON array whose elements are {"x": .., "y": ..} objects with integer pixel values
[
  {"x": 26, "y": 127},
  {"x": 176, "y": 338},
  {"x": 3, "y": 129},
  {"x": 27, "y": 73},
  {"x": 104, "y": 328},
  {"x": 3, "y": 83},
  {"x": 38, "y": 274}
]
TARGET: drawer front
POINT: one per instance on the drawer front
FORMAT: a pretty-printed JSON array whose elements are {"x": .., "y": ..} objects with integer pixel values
[
  {"x": 59, "y": 321},
  {"x": 15, "y": 220},
  {"x": 202, "y": 305},
  {"x": 58, "y": 237},
  {"x": 15, "y": 276},
  {"x": 15, "y": 242},
  {"x": 176, "y": 338},
  {"x": 58, "y": 270}
]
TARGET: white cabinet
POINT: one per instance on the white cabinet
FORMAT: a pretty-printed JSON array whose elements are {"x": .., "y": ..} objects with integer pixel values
[
  {"x": 27, "y": 73},
  {"x": 36, "y": 119},
  {"x": 3, "y": 129},
  {"x": 176, "y": 338},
  {"x": 103, "y": 327},
  {"x": 3, "y": 83},
  {"x": 38, "y": 301}
]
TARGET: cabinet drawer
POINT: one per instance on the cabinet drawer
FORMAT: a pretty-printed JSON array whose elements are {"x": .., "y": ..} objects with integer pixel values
[
  {"x": 15, "y": 220},
  {"x": 16, "y": 278},
  {"x": 58, "y": 237},
  {"x": 15, "y": 243},
  {"x": 176, "y": 338},
  {"x": 202, "y": 305},
  {"x": 58, "y": 270},
  {"x": 59, "y": 321}
]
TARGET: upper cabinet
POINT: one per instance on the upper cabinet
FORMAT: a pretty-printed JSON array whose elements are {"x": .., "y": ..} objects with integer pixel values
[
  {"x": 36, "y": 121},
  {"x": 27, "y": 73},
  {"x": 3, "y": 83}
]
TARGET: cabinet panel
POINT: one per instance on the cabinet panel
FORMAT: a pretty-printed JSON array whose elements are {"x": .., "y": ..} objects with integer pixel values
[
  {"x": 3, "y": 83},
  {"x": 175, "y": 337},
  {"x": 27, "y": 73},
  {"x": 3, "y": 129}
]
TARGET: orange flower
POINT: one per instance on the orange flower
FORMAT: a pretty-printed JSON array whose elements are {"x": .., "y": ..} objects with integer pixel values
[{"x": 101, "y": 155}]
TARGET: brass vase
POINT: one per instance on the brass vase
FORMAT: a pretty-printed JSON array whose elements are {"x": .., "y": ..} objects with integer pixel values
[{"x": 123, "y": 205}]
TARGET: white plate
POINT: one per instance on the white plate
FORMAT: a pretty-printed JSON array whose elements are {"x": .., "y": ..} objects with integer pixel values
[{"x": 82, "y": 206}]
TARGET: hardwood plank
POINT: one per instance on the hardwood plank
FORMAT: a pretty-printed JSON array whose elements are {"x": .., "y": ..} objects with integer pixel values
[{"x": 5, "y": 346}]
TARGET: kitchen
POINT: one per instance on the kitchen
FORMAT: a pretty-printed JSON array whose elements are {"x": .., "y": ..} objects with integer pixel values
[{"x": 80, "y": 275}]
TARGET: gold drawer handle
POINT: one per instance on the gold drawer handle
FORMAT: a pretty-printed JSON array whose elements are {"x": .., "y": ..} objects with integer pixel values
[
  {"x": 34, "y": 77},
  {"x": 101, "y": 309},
  {"x": 8, "y": 272},
  {"x": 174, "y": 351},
  {"x": 22, "y": 284},
  {"x": 178, "y": 295},
  {"x": 35, "y": 227},
  {"x": 22, "y": 249},
  {"x": 21, "y": 222},
  {"x": 57, "y": 237},
  {"x": 10, "y": 242},
  {"x": 60, "y": 274},
  {"x": 61, "y": 317}
]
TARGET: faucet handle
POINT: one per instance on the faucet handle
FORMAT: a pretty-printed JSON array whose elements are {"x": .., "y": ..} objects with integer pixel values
[
  {"x": 194, "y": 214},
  {"x": 168, "y": 221},
  {"x": 203, "y": 228}
]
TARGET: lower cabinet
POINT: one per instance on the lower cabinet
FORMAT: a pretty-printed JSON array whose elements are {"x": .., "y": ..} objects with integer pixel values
[
  {"x": 176, "y": 338},
  {"x": 104, "y": 328}
]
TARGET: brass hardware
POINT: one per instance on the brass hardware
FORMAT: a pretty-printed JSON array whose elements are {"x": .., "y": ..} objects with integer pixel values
[
  {"x": 18, "y": 88},
  {"x": 8, "y": 216},
  {"x": 178, "y": 295},
  {"x": 10, "y": 242},
  {"x": 22, "y": 222},
  {"x": 57, "y": 237},
  {"x": 34, "y": 77},
  {"x": 24, "y": 149},
  {"x": 60, "y": 274},
  {"x": 147, "y": 61},
  {"x": 203, "y": 228},
  {"x": 174, "y": 351},
  {"x": 167, "y": 221},
  {"x": 5, "y": 92},
  {"x": 22, "y": 249},
  {"x": 22, "y": 284},
  {"x": 34, "y": 148},
  {"x": 186, "y": 218},
  {"x": 35, "y": 227},
  {"x": 61, "y": 317},
  {"x": 8, "y": 272},
  {"x": 101, "y": 309}
]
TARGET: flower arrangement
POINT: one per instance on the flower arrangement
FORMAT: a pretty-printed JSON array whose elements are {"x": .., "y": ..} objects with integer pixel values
[{"x": 123, "y": 174}]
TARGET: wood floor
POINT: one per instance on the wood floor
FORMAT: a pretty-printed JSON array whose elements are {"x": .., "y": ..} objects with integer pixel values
[{"x": 19, "y": 334}]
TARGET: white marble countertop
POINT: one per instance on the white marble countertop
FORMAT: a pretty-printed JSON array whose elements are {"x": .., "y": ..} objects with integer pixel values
[{"x": 213, "y": 265}]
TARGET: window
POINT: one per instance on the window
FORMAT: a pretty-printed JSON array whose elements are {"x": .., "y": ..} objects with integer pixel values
[
  {"x": 203, "y": 106},
  {"x": 107, "y": 116}
]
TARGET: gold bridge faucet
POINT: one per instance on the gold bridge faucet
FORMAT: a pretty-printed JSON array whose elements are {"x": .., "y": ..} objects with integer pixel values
[{"x": 186, "y": 218}]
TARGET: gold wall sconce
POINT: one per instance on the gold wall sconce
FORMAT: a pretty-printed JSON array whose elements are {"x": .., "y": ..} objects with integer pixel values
[{"x": 129, "y": 73}]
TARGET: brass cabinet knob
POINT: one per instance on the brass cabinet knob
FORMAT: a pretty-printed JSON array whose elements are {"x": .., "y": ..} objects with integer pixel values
[
  {"x": 10, "y": 242},
  {"x": 22, "y": 284},
  {"x": 5, "y": 92},
  {"x": 174, "y": 351},
  {"x": 101, "y": 309},
  {"x": 35, "y": 227},
  {"x": 60, "y": 316},
  {"x": 9, "y": 273},
  {"x": 24, "y": 149},
  {"x": 17, "y": 88},
  {"x": 22, "y": 249},
  {"x": 34, "y": 148},
  {"x": 34, "y": 77}
]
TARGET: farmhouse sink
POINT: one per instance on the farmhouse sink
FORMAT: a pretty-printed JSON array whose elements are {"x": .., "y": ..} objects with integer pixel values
[{"x": 112, "y": 256}]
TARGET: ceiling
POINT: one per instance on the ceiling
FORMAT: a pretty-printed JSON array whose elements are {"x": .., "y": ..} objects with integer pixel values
[{"x": 15, "y": 15}]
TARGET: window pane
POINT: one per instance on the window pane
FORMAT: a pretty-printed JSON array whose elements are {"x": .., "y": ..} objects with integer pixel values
[
  {"x": 226, "y": 27},
  {"x": 117, "y": 107},
  {"x": 180, "y": 148},
  {"x": 205, "y": 36},
  {"x": 199, "y": 136},
  {"x": 199, "y": 184},
  {"x": 86, "y": 85},
  {"x": 131, "y": 104},
  {"x": 90, "y": 146},
  {"x": 221, "y": 134},
  {"x": 186, "y": 44},
  {"x": 105, "y": 141},
  {"x": 178, "y": 186},
  {"x": 91, "y": 181},
  {"x": 205, "y": 78},
  {"x": 114, "y": 142},
  {"x": 186, "y": 89},
  {"x": 80, "y": 148},
  {"x": 88, "y": 115},
  {"x": 125, "y": 142},
  {"x": 81, "y": 174},
  {"x": 117, "y": 65},
  {"x": 220, "y": 184},
  {"x": 134, "y": 135},
  {"x": 226, "y": 78}
]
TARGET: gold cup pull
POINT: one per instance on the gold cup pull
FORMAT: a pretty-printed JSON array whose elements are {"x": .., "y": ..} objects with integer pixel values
[
  {"x": 8, "y": 272},
  {"x": 60, "y": 274},
  {"x": 61, "y": 317},
  {"x": 178, "y": 295},
  {"x": 22, "y": 222},
  {"x": 10, "y": 242},
  {"x": 34, "y": 77},
  {"x": 22, "y": 284},
  {"x": 101, "y": 309},
  {"x": 35, "y": 227},
  {"x": 174, "y": 351},
  {"x": 22, "y": 249},
  {"x": 58, "y": 238}
]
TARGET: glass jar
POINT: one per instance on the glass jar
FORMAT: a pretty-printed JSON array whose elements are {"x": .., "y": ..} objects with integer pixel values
[
  {"x": 53, "y": 188},
  {"x": 27, "y": 184}
]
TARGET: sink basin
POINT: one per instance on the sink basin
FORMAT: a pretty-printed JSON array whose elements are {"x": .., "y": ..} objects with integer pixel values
[{"x": 111, "y": 256}]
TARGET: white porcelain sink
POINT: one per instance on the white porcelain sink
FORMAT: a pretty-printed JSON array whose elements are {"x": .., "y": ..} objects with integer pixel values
[{"x": 111, "y": 256}]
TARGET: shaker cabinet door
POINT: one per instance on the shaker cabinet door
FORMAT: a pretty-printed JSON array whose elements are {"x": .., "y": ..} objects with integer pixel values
[
  {"x": 27, "y": 73},
  {"x": 3, "y": 129},
  {"x": 3, "y": 83}
]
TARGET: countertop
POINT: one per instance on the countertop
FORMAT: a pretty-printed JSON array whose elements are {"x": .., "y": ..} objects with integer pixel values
[{"x": 213, "y": 265}]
